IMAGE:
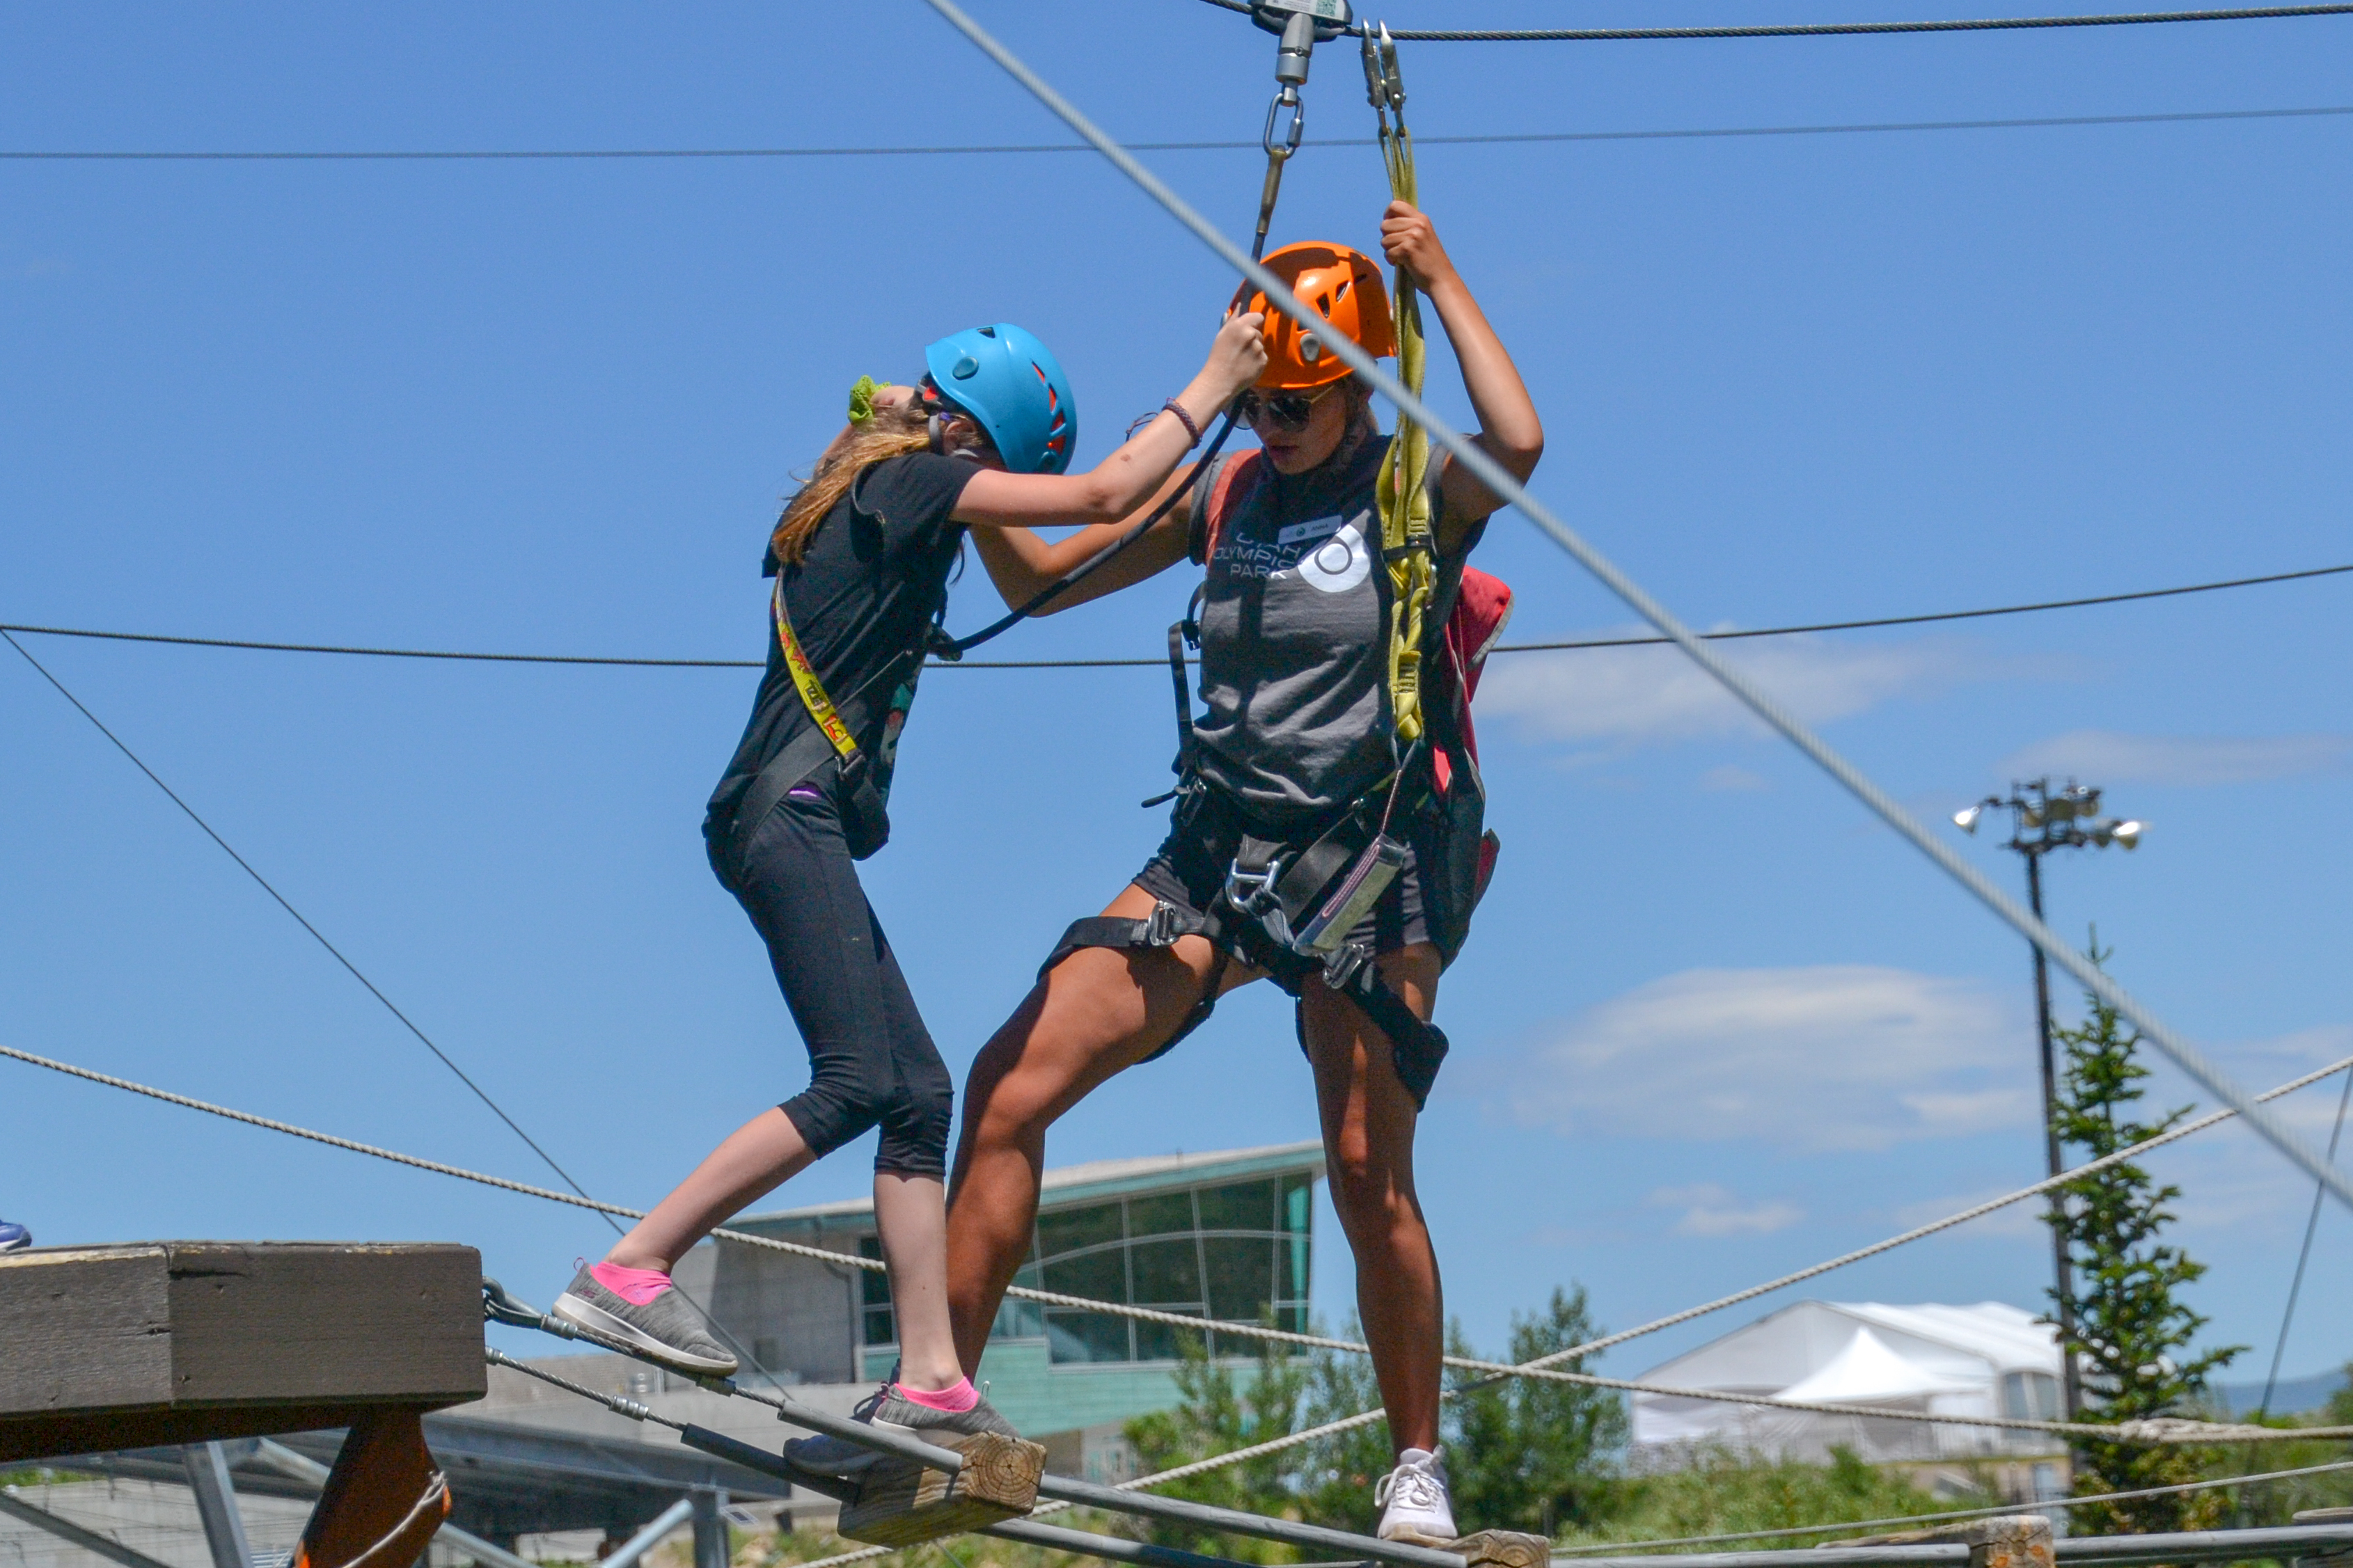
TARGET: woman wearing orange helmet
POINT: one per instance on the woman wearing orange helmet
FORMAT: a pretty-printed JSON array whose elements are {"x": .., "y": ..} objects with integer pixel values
[{"x": 1300, "y": 747}]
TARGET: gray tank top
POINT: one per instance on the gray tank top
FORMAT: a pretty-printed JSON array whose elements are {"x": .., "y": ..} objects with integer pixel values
[{"x": 1294, "y": 641}]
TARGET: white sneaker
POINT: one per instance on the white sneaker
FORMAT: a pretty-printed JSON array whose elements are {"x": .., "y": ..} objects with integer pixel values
[{"x": 1413, "y": 1500}]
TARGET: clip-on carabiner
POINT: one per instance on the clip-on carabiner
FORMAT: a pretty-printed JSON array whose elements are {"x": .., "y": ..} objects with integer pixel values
[{"x": 1303, "y": 24}]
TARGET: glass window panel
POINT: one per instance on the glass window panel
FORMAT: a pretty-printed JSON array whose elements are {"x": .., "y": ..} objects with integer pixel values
[
  {"x": 875, "y": 1285},
  {"x": 1293, "y": 1264},
  {"x": 1160, "y": 1341},
  {"x": 1086, "y": 1337},
  {"x": 1170, "y": 1214},
  {"x": 1248, "y": 1206},
  {"x": 1017, "y": 1321},
  {"x": 1097, "y": 1276},
  {"x": 1292, "y": 1319},
  {"x": 1241, "y": 1278},
  {"x": 1298, "y": 1204},
  {"x": 1167, "y": 1272},
  {"x": 880, "y": 1330},
  {"x": 1068, "y": 1230}
]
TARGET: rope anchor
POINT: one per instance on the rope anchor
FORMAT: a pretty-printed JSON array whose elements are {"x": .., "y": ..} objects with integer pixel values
[{"x": 1303, "y": 24}]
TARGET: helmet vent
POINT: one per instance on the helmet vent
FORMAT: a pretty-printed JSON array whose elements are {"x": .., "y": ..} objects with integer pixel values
[{"x": 965, "y": 368}]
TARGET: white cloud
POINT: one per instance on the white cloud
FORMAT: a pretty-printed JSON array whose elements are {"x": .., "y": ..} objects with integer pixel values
[
  {"x": 1838, "y": 1057},
  {"x": 1635, "y": 694},
  {"x": 1729, "y": 778},
  {"x": 2110, "y": 757},
  {"x": 1709, "y": 1210}
]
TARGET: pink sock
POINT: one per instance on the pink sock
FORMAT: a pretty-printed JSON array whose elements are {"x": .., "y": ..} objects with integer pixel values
[
  {"x": 963, "y": 1396},
  {"x": 635, "y": 1286}
]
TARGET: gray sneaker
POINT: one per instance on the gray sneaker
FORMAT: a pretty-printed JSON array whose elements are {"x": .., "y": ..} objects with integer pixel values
[
  {"x": 665, "y": 1329},
  {"x": 886, "y": 1407}
]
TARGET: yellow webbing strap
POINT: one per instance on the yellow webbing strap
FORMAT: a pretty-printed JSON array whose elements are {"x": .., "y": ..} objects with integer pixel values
[
  {"x": 1408, "y": 545},
  {"x": 813, "y": 697}
]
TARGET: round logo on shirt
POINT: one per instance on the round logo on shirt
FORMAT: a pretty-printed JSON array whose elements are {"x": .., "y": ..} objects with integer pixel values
[{"x": 1338, "y": 563}]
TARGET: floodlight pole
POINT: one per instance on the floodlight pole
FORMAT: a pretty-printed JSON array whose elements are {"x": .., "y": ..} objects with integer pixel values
[
  {"x": 2062, "y": 1264},
  {"x": 2043, "y": 819}
]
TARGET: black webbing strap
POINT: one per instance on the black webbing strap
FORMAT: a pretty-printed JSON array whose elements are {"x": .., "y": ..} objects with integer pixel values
[
  {"x": 954, "y": 648},
  {"x": 796, "y": 764},
  {"x": 1162, "y": 927}
]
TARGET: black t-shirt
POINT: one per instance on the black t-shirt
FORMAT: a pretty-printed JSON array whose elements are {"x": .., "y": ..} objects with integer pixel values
[{"x": 874, "y": 574}]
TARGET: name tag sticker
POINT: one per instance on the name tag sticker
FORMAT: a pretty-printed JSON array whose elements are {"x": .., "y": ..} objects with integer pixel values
[{"x": 1320, "y": 528}]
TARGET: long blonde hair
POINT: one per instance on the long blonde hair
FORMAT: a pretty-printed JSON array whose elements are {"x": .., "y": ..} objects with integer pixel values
[{"x": 890, "y": 433}]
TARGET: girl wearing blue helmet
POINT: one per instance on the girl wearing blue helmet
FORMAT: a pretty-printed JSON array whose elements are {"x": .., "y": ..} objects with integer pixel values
[{"x": 860, "y": 561}]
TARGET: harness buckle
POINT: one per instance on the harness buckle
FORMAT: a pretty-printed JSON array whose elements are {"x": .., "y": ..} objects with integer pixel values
[
  {"x": 1163, "y": 926},
  {"x": 1252, "y": 891}
]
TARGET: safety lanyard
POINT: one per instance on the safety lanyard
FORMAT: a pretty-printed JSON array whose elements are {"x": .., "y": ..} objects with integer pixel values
[
  {"x": 820, "y": 707},
  {"x": 1408, "y": 545}
]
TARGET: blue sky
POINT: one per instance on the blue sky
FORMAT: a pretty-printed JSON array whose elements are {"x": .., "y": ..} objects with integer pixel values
[{"x": 1712, "y": 1025}]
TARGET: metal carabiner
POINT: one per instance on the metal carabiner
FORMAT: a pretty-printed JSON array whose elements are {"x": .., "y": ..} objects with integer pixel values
[
  {"x": 1392, "y": 84},
  {"x": 1288, "y": 97}
]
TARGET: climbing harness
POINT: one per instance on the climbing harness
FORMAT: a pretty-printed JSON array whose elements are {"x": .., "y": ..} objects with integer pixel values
[{"x": 864, "y": 794}]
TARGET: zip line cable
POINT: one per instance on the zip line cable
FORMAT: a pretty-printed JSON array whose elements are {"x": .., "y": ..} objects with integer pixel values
[
  {"x": 2303, "y": 1256},
  {"x": 1822, "y": 30},
  {"x": 1162, "y": 663},
  {"x": 1542, "y": 1368},
  {"x": 1503, "y": 485},
  {"x": 1529, "y": 138},
  {"x": 299, "y": 919}
]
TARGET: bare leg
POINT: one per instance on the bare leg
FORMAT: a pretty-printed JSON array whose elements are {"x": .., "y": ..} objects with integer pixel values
[
  {"x": 1099, "y": 1011},
  {"x": 913, "y": 1218},
  {"x": 1369, "y": 1125},
  {"x": 756, "y": 1158}
]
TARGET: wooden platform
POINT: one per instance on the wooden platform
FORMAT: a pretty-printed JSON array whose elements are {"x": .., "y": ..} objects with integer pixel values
[
  {"x": 903, "y": 1503},
  {"x": 181, "y": 1341}
]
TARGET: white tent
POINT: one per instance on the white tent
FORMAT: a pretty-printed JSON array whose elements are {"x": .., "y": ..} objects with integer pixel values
[{"x": 1986, "y": 1360}]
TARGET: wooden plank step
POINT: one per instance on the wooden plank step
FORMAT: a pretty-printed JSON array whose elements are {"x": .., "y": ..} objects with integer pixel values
[
  {"x": 903, "y": 1503},
  {"x": 163, "y": 1343}
]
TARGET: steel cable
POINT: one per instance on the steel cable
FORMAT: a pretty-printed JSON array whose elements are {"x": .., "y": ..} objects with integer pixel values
[
  {"x": 1827, "y": 29},
  {"x": 1734, "y": 635},
  {"x": 1503, "y": 484},
  {"x": 1542, "y": 1368}
]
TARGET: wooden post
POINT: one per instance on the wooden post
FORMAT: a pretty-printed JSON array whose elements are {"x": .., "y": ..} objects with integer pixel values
[
  {"x": 2011, "y": 1541},
  {"x": 903, "y": 1503},
  {"x": 1502, "y": 1548}
]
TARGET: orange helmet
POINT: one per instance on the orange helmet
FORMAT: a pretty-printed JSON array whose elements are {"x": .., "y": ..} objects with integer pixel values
[{"x": 1346, "y": 289}]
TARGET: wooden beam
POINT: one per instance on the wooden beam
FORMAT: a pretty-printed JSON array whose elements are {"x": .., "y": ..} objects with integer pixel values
[{"x": 187, "y": 1341}]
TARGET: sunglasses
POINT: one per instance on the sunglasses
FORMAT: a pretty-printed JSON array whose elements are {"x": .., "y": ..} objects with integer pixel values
[{"x": 1287, "y": 410}]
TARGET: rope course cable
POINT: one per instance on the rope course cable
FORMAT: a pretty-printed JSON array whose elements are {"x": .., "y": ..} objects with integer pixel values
[
  {"x": 1530, "y": 138},
  {"x": 1543, "y": 1369},
  {"x": 1850, "y": 1526},
  {"x": 1500, "y": 481},
  {"x": 299, "y": 919},
  {"x": 1829, "y": 29},
  {"x": 1570, "y": 644}
]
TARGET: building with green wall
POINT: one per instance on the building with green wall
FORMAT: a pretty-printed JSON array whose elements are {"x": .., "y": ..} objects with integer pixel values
[{"x": 1218, "y": 1235}]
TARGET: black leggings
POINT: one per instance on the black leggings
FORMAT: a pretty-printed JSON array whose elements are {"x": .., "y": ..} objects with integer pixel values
[{"x": 871, "y": 1061}]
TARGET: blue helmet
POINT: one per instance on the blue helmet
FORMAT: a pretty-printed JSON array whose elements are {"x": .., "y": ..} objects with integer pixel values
[{"x": 1005, "y": 378}]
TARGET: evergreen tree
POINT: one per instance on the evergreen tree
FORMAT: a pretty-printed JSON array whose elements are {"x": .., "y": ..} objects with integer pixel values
[
  {"x": 1218, "y": 1416},
  {"x": 1531, "y": 1455},
  {"x": 2131, "y": 1328}
]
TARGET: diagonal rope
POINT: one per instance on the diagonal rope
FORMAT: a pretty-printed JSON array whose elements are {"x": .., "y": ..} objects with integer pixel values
[
  {"x": 1500, "y": 483},
  {"x": 299, "y": 919},
  {"x": 2304, "y": 1256},
  {"x": 2160, "y": 1431}
]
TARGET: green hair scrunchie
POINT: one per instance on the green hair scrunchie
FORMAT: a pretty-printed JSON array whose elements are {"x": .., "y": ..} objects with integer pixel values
[{"x": 861, "y": 400}]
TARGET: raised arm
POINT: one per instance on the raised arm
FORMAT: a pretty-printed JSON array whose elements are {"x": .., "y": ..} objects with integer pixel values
[
  {"x": 1509, "y": 430},
  {"x": 1115, "y": 488},
  {"x": 1021, "y": 564}
]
